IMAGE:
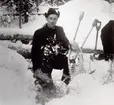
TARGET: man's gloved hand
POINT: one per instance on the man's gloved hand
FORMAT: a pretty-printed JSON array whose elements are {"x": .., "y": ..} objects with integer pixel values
[
  {"x": 74, "y": 46},
  {"x": 47, "y": 50},
  {"x": 55, "y": 49},
  {"x": 63, "y": 50}
]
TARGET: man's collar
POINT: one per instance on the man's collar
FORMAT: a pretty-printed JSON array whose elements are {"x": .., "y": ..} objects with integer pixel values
[{"x": 50, "y": 27}]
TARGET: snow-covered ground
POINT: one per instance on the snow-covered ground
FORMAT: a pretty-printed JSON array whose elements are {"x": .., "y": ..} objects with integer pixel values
[
  {"x": 16, "y": 82},
  {"x": 88, "y": 89}
]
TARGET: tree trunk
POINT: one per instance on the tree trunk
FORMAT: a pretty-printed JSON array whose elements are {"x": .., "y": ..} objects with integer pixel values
[
  {"x": 23, "y": 38},
  {"x": 23, "y": 49}
]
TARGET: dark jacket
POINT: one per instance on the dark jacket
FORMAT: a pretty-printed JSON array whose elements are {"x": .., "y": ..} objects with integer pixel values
[
  {"x": 40, "y": 39},
  {"x": 107, "y": 37}
]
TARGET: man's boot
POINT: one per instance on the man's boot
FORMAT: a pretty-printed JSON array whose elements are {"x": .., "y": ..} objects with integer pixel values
[{"x": 66, "y": 79}]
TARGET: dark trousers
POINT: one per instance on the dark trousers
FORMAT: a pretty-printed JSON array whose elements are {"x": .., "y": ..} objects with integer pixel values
[{"x": 58, "y": 62}]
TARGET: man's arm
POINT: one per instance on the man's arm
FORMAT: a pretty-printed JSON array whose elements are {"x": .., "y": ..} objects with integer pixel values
[
  {"x": 107, "y": 28},
  {"x": 62, "y": 37},
  {"x": 35, "y": 51}
]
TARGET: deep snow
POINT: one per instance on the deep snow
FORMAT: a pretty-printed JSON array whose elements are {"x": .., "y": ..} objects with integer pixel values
[
  {"x": 13, "y": 78},
  {"x": 17, "y": 83},
  {"x": 85, "y": 90}
]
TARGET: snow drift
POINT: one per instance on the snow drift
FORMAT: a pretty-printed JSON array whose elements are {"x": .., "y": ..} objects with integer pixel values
[{"x": 13, "y": 78}]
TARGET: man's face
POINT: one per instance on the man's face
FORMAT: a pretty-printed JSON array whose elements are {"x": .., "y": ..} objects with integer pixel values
[{"x": 52, "y": 20}]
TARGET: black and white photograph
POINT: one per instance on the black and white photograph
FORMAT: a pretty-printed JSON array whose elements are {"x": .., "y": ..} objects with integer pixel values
[{"x": 56, "y": 52}]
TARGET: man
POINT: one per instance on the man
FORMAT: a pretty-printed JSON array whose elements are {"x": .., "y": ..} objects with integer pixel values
[
  {"x": 50, "y": 46},
  {"x": 107, "y": 38}
]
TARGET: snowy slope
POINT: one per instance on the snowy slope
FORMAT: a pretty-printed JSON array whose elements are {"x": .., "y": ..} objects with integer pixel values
[
  {"x": 14, "y": 87},
  {"x": 16, "y": 83}
]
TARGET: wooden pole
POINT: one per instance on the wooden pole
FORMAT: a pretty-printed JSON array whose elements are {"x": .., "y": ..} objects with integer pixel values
[
  {"x": 37, "y": 4},
  {"x": 20, "y": 17}
]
